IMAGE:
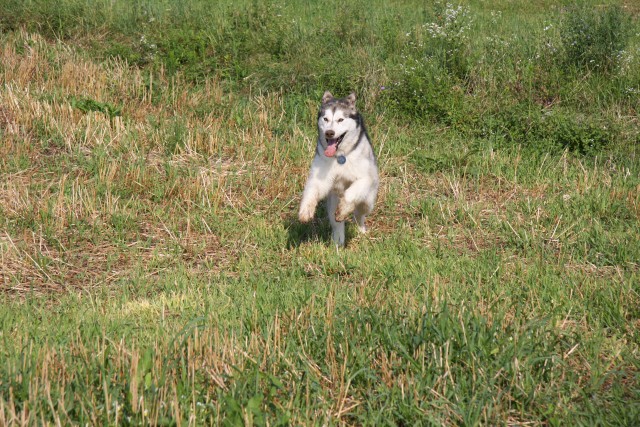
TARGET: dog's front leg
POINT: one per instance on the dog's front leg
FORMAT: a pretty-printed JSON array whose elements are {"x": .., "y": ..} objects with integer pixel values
[
  {"x": 337, "y": 228},
  {"x": 357, "y": 194},
  {"x": 314, "y": 191}
]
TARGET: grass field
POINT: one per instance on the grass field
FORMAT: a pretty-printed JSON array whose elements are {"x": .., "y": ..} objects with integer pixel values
[{"x": 153, "y": 270}]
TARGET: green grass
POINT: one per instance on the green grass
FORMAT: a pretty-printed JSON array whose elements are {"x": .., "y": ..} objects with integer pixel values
[{"x": 153, "y": 271}]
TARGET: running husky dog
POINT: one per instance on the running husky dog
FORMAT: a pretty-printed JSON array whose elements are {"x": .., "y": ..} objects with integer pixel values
[{"x": 344, "y": 167}]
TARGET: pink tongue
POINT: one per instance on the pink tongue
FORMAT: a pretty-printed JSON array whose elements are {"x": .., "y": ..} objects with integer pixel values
[{"x": 331, "y": 150}]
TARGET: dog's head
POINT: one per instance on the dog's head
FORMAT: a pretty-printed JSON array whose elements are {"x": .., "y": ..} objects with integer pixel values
[{"x": 336, "y": 118}]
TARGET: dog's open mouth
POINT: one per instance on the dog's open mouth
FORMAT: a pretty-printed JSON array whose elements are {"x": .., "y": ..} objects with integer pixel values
[{"x": 332, "y": 145}]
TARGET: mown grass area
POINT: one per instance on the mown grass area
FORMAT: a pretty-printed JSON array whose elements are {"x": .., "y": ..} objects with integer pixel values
[{"x": 153, "y": 271}]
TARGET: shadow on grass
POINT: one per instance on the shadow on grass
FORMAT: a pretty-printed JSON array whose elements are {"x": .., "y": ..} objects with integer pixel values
[{"x": 317, "y": 230}]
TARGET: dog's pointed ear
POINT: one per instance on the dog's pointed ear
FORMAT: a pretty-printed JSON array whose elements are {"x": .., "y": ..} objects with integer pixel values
[
  {"x": 327, "y": 97},
  {"x": 351, "y": 99}
]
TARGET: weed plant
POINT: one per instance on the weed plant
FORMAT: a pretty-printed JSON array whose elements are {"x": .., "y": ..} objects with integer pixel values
[{"x": 594, "y": 39}]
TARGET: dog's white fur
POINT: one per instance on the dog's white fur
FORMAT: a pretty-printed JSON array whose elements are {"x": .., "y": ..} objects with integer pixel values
[{"x": 350, "y": 188}]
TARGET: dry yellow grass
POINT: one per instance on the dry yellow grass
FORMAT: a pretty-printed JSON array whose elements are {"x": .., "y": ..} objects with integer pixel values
[{"x": 38, "y": 122}]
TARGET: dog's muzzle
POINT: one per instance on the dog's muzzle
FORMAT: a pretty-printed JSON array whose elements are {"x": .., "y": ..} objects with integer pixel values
[{"x": 332, "y": 143}]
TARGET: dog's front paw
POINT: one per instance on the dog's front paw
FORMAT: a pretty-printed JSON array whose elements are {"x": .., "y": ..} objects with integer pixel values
[
  {"x": 343, "y": 211},
  {"x": 305, "y": 214}
]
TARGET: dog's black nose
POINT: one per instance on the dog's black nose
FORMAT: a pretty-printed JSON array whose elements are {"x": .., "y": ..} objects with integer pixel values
[{"x": 329, "y": 134}]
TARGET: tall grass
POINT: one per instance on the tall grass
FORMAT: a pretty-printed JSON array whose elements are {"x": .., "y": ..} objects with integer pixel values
[
  {"x": 433, "y": 61},
  {"x": 152, "y": 269}
]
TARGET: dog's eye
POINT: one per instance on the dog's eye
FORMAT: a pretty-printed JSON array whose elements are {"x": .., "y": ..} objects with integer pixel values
[
  {"x": 340, "y": 120},
  {"x": 325, "y": 119}
]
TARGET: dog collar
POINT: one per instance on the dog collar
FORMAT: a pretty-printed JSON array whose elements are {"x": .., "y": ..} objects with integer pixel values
[{"x": 341, "y": 159}]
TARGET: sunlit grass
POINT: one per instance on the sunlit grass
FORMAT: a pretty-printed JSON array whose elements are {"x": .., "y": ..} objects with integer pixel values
[{"x": 153, "y": 271}]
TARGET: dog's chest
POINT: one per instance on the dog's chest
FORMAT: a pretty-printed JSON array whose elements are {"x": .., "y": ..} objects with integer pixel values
[
  {"x": 341, "y": 183},
  {"x": 343, "y": 175}
]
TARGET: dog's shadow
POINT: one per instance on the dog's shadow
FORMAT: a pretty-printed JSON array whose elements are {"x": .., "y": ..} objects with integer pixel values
[{"x": 317, "y": 230}]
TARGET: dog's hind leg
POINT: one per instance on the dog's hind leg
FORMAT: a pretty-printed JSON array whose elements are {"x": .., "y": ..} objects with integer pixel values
[
  {"x": 337, "y": 227},
  {"x": 358, "y": 217}
]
